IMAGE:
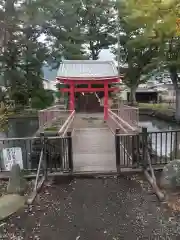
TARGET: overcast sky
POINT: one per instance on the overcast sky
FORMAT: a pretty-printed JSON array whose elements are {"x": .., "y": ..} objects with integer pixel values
[{"x": 106, "y": 55}]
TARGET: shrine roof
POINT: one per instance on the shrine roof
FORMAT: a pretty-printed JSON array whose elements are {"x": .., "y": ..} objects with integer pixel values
[{"x": 87, "y": 69}]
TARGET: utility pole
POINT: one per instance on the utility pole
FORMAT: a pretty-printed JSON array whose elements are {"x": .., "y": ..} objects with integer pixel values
[
  {"x": 118, "y": 42},
  {"x": 119, "y": 51}
]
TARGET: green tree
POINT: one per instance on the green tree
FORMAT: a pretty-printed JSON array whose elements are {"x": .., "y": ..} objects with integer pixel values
[
  {"x": 42, "y": 99},
  {"x": 79, "y": 29},
  {"x": 22, "y": 55},
  {"x": 136, "y": 51},
  {"x": 33, "y": 52},
  {"x": 99, "y": 25},
  {"x": 157, "y": 20},
  {"x": 9, "y": 50},
  {"x": 63, "y": 28}
]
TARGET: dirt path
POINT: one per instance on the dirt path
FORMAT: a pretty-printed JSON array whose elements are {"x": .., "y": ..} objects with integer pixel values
[{"x": 102, "y": 209}]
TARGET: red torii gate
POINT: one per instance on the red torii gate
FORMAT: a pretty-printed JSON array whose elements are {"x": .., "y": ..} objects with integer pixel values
[{"x": 88, "y": 72}]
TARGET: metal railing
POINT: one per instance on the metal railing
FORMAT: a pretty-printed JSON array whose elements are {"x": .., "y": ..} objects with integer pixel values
[
  {"x": 50, "y": 115},
  {"x": 57, "y": 153},
  {"x": 128, "y": 113},
  {"x": 125, "y": 124},
  {"x": 64, "y": 128},
  {"x": 60, "y": 150},
  {"x": 162, "y": 147}
]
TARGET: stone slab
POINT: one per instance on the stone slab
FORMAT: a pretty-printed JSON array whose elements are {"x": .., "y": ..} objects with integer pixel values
[
  {"x": 94, "y": 162},
  {"x": 94, "y": 150},
  {"x": 10, "y": 204}
]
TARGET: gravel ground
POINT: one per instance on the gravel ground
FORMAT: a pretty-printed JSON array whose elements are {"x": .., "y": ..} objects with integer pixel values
[
  {"x": 102, "y": 209},
  {"x": 3, "y": 186}
]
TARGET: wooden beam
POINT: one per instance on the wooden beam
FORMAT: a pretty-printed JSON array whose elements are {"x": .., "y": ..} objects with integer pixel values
[
  {"x": 90, "y": 89},
  {"x": 91, "y": 81}
]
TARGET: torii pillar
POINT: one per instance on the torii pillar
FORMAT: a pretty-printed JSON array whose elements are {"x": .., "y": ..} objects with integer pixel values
[
  {"x": 105, "y": 100},
  {"x": 72, "y": 98}
]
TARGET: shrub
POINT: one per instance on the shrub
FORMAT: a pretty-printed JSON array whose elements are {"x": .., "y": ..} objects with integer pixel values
[{"x": 42, "y": 98}]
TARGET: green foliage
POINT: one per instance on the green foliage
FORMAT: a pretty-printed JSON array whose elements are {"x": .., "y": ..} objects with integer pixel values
[
  {"x": 52, "y": 128},
  {"x": 2, "y": 95},
  {"x": 20, "y": 97},
  {"x": 156, "y": 21},
  {"x": 98, "y": 21},
  {"x": 58, "y": 94},
  {"x": 150, "y": 38},
  {"x": 78, "y": 29},
  {"x": 137, "y": 53},
  {"x": 22, "y": 57},
  {"x": 153, "y": 106},
  {"x": 73, "y": 29},
  {"x": 64, "y": 30},
  {"x": 60, "y": 86},
  {"x": 42, "y": 99}
]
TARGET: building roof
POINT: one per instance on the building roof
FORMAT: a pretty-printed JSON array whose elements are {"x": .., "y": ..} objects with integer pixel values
[
  {"x": 144, "y": 90},
  {"x": 87, "y": 69}
]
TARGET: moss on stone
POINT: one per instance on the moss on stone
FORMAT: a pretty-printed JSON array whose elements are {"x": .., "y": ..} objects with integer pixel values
[{"x": 52, "y": 128}]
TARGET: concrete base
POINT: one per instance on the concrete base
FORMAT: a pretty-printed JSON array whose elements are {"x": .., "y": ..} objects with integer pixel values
[{"x": 10, "y": 204}]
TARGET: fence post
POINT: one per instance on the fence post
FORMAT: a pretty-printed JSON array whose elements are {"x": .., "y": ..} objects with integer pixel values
[
  {"x": 117, "y": 146},
  {"x": 46, "y": 156},
  {"x": 70, "y": 153},
  {"x": 133, "y": 150},
  {"x": 44, "y": 146},
  {"x": 144, "y": 147}
]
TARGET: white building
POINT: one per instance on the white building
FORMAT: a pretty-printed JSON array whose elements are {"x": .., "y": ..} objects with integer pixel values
[
  {"x": 169, "y": 94},
  {"x": 49, "y": 85},
  {"x": 49, "y": 80}
]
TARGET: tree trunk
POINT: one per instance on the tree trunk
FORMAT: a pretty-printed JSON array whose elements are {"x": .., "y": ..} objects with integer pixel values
[
  {"x": 132, "y": 96},
  {"x": 93, "y": 54}
]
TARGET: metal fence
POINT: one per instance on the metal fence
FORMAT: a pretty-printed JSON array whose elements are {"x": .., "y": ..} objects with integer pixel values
[
  {"x": 52, "y": 114},
  {"x": 57, "y": 153},
  {"x": 164, "y": 146},
  {"x": 128, "y": 113},
  {"x": 126, "y": 119},
  {"x": 132, "y": 149}
]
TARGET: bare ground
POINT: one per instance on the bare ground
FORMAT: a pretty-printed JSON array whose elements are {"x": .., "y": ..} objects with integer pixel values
[{"x": 102, "y": 209}]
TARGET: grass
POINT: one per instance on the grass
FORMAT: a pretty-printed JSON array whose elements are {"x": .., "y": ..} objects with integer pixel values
[
  {"x": 53, "y": 128},
  {"x": 156, "y": 106}
]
